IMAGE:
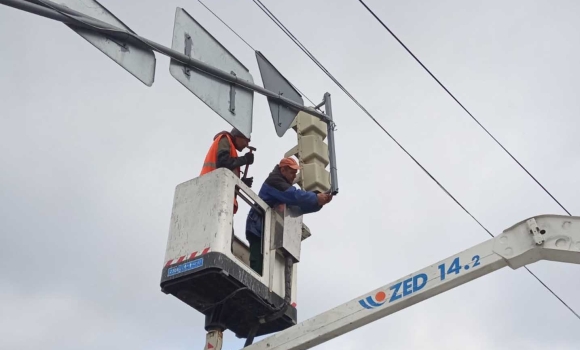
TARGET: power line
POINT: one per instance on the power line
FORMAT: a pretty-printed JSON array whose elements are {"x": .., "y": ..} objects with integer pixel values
[
  {"x": 297, "y": 42},
  {"x": 250, "y": 46},
  {"x": 553, "y": 293},
  {"x": 311, "y": 56},
  {"x": 230, "y": 28},
  {"x": 303, "y": 48},
  {"x": 461, "y": 105}
]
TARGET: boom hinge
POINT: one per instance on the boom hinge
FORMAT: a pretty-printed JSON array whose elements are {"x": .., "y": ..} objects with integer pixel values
[{"x": 536, "y": 232}]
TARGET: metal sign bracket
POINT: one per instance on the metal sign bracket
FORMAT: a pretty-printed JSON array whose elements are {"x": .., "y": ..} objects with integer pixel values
[
  {"x": 233, "y": 96},
  {"x": 187, "y": 52}
]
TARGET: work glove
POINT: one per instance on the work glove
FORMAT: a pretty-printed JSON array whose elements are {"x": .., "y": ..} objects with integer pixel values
[
  {"x": 249, "y": 158},
  {"x": 248, "y": 181}
]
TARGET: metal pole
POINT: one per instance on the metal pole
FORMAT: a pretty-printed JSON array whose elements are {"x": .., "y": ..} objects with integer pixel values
[
  {"x": 214, "y": 340},
  {"x": 331, "y": 145},
  {"x": 36, "y": 9},
  {"x": 84, "y": 21}
]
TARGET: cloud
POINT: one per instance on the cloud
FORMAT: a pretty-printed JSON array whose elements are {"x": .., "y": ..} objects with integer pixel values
[{"x": 90, "y": 159}]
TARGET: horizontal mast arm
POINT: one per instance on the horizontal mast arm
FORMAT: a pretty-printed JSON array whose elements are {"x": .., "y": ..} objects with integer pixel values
[{"x": 65, "y": 15}]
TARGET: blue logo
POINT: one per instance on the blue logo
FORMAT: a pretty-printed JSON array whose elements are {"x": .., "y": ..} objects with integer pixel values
[
  {"x": 190, "y": 265},
  {"x": 400, "y": 290},
  {"x": 370, "y": 302}
]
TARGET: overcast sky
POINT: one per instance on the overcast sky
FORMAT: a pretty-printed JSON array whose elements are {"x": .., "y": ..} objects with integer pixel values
[{"x": 90, "y": 158}]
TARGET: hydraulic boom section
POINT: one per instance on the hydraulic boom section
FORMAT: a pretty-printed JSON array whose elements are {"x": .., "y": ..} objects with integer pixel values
[{"x": 545, "y": 237}]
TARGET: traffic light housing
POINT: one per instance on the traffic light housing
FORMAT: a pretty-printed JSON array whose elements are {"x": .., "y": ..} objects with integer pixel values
[{"x": 312, "y": 152}]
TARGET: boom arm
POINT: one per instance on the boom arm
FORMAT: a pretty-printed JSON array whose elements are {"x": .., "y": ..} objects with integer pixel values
[{"x": 546, "y": 237}]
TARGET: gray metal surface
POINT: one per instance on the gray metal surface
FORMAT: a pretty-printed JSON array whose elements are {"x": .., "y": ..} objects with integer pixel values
[
  {"x": 137, "y": 60},
  {"x": 233, "y": 105},
  {"x": 241, "y": 250},
  {"x": 287, "y": 231},
  {"x": 275, "y": 82},
  {"x": 331, "y": 145},
  {"x": 305, "y": 231}
]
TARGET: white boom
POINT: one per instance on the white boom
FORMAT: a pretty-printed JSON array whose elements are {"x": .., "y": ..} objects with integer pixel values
[{"x": 546, "y": 237}]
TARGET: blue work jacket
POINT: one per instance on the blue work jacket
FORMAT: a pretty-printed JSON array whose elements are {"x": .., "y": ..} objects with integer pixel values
[{"x": 307, "y": 202}]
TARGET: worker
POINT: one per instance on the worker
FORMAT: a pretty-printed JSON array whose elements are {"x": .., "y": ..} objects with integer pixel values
[
  {"x": 223, "y": 153},
  {"x": 276, "y": 190}
]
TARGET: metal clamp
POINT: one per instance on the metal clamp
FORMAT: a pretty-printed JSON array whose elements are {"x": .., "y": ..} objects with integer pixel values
[
  {"x": 187, "y": 52},
  {"x": 535, "y": 231},
  {"x": 233, "y": 95}
]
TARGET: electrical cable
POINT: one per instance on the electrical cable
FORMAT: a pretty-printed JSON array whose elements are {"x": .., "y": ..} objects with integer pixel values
[
  {"x": 553, "y": 293},
  {"x": 207, "y": 307},
  {"x": 488, "y": 133},
  {"x": 296, "y": 41},
  {"x": 224, "y": 23},
  {"x": 250, "y": 46},
  {"x": 305, "y": 50},
  {"x": 461, "y": 105}
]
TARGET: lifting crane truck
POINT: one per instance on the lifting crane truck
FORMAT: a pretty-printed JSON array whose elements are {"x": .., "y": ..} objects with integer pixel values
[
  {"x": 206, "y": 266},
  {"x": 202, "y": 217},
  {"x": 543, "y": 237}
]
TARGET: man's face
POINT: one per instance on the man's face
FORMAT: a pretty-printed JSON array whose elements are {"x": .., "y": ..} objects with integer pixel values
[
  {"x": 289, "y": 173},
  {"x": 241, "y": 143}
]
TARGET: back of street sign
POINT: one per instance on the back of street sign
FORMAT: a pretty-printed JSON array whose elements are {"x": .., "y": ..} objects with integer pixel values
[
  {"x": 233, "y": 103},
  {"x": 138, "y": 61},
  {"x": 275, "y": 82}
]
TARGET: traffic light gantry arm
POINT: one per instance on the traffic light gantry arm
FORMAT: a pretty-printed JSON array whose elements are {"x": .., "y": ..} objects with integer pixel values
[
  {"x": 545, "y": 237},
  {"x": 66, "y": 15}
]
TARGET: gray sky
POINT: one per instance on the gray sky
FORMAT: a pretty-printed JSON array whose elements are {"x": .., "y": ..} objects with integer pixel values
[{"x": 91, "y": 156}]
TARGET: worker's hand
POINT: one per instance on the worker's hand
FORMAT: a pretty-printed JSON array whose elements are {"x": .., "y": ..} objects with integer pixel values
[
  {"x": 249, "y": 158},
  {"x": 248, "y": 181},
  {"x": 323, "y": 198},
  {"x": 330, "y": 196}
]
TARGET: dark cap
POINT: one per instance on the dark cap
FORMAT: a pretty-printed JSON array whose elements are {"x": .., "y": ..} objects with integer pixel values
[{"x": 236, "y": 133}]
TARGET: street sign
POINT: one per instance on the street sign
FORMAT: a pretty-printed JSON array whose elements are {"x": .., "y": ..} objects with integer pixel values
[
  {"x": 275, "y": 82},
  {"x": 138, "y": 61},
  {"x": 206, "y": 68},
  {"x": 233, "y": 103}
]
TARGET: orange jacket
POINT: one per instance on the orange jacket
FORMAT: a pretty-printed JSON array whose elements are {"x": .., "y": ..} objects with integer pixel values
[{"x": 210, "y": 162}]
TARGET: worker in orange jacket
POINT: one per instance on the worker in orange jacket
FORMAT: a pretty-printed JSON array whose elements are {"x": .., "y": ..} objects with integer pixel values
[{"x": 223, "y": 153}]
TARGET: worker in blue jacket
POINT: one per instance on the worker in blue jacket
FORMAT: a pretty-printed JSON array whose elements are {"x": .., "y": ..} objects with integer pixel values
[{"x": 278, "y": 189}]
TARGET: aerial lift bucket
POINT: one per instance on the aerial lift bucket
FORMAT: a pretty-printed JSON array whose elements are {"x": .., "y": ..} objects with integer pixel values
[{"x": 207, "y": 266}]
